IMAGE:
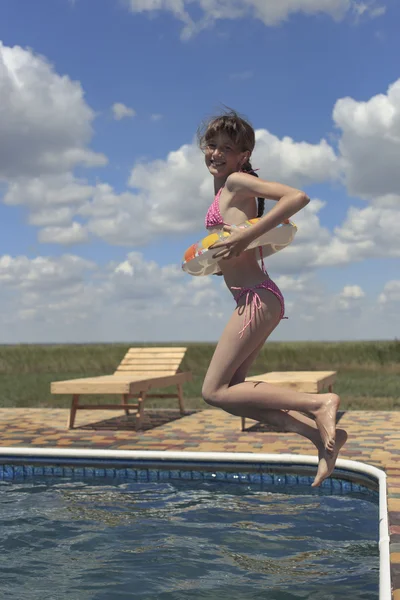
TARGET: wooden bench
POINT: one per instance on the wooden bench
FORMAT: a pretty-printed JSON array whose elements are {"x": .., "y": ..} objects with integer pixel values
[
  {"x": 311, "y": 382},
  {"x": 140, "y": 370}
]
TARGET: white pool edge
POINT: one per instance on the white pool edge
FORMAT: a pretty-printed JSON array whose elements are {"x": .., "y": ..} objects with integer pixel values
[{"x": 385, "y": 592}]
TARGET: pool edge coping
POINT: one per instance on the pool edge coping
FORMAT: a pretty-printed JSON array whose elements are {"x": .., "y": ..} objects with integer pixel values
[{"x": 385, "y": 591}]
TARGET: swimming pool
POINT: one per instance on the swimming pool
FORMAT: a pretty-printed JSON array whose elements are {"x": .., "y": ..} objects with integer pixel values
[{"x": 104, "y": 524}]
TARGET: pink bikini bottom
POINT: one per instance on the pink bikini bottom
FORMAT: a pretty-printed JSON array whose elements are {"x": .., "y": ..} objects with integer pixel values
[{"x": 253, "y": 300}]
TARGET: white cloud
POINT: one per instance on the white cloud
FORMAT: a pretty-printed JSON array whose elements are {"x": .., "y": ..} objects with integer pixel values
[
  {"x": 311, "y": 238},
  {"x": 58, "y": 216},
  {"x": 66, "y": 236},
  {"x": 370, "y": 143},
  {"x": 350, "y": 299},
  {"x": 176, "y": 190},
  {"x": 295, "y": 163},
  {"x": 141, "y": 284},
  {"x": 45, "y": 129},
  {"x": 45, "y": 123},
  {"x": 156, "y": 117},
  {"x": 391, "y": 293},
  {"x": 352, "y": 291},
  {"x": 297, "y": 284},
  {"x": 371, "y": 232},
  {"x": 368, "y": 8},
  {"x": 269, "y": 12},
  {"x": 48, "y": 192},
  {"x": 42, "y": 274},
  {"x": 47, "y": 299},
  {"x": 121, "y": 219},
  {"x": 375, "y": 226},
  {"x": 315, "y": 312},
  {"x": 69, "y": 299},
  {"x": 369, "y": 148},
  {"x": 121, "y": 111}
]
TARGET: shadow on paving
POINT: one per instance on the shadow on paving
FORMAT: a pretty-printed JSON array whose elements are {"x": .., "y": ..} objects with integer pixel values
[{"x": 152, "y": 418}]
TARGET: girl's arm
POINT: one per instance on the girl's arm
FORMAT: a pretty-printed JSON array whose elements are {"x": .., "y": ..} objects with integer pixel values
[{"x": 289, "y": 200}]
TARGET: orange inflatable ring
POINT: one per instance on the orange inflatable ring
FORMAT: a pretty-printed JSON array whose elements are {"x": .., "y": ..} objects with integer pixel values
[{"x": 198, "y": 259}]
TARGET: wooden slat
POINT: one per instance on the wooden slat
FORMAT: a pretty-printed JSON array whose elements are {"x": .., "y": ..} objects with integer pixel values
[
  {"x": 156, "y": 350},
  {"x": 107, "y": 384},
  {"x": 173, "y": 351},
  {"x": 175, "y": 360},
  {"x": 161, "y": 396},
  {"x": 146, "y": 369},
  {"x": 121, "y": 383},
  {"x": 162, "y": 381},
  {"x": 158, "y": 358},
  {"x": 144, "y": 373},
  {"x": 150, "y": 362},
  {"x": 107, "y": 406},
  {"x": 149, "y": 367}
]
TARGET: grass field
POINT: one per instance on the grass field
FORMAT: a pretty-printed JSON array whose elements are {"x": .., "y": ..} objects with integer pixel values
[{"x": 368, "y": 372}]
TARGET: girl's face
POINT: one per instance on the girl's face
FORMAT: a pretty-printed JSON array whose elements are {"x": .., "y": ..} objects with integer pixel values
[{"x": 222, "y": 156}]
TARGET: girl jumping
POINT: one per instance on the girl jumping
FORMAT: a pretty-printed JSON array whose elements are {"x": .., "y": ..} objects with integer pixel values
[{"x": 228, "y": 142}]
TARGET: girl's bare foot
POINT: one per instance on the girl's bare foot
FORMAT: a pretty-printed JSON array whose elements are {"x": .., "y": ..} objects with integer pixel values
[
  {"x": 327, "y": 460},
  {"x": 325, "y": 419}
]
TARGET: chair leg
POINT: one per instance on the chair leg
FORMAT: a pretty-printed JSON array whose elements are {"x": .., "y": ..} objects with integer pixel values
[
  {"x": 125, "y": 398},
  {"x": 72, "y": 412},
  {"x": 180, "y": 399},
  {"x": 140, "y": 410},
  {"x": 243, "y": 423}
]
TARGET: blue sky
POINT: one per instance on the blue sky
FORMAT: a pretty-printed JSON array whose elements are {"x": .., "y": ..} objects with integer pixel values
[{"x": 287, "y": 77}]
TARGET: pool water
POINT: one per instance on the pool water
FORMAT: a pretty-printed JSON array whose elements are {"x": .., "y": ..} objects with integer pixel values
[{"x": 102, "y": 540}]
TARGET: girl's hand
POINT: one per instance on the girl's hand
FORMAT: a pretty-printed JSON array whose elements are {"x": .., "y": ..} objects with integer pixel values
[{"x": 233, "y": 245}]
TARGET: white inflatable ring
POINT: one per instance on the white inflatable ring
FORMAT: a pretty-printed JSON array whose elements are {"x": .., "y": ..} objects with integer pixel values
[{"x": 198, "y": 259}]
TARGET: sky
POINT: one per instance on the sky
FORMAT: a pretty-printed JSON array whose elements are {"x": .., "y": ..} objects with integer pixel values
[{"x": 103, "y": 186}]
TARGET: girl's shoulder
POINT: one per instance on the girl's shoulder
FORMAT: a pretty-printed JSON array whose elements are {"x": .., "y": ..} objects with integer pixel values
[{"x": 239, "y": 182}]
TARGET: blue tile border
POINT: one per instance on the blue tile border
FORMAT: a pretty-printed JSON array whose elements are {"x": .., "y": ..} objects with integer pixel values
[{"x": 262, "y": 478}]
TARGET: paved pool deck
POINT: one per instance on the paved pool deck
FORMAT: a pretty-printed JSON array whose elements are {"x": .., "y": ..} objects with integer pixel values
[{"x": 374, "y": 438}]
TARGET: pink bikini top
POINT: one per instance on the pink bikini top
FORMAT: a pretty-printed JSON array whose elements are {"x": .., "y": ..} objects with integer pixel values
[{"x": 213, "y": 216}]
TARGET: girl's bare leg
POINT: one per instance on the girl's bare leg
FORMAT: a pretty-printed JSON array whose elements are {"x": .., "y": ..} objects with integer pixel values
[
  {"x": 295, "y": 422},
  {"x": 243, "y": 399}
]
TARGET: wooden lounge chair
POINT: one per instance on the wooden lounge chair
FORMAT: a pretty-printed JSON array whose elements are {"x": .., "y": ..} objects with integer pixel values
[{"x": 140, "y": 370}]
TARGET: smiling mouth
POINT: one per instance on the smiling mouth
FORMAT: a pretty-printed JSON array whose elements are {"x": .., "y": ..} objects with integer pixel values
[{"x": 217, "y": 164}]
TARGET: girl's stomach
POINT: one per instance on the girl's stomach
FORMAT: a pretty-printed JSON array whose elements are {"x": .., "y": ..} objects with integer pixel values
[{"x": 243, "y": 270}]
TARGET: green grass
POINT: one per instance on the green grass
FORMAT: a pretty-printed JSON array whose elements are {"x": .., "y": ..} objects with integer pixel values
[{"x": 368, "y": 372}]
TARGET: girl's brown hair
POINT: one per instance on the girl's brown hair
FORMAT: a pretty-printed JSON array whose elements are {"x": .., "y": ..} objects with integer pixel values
[{"x": 240, "y": 132}]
